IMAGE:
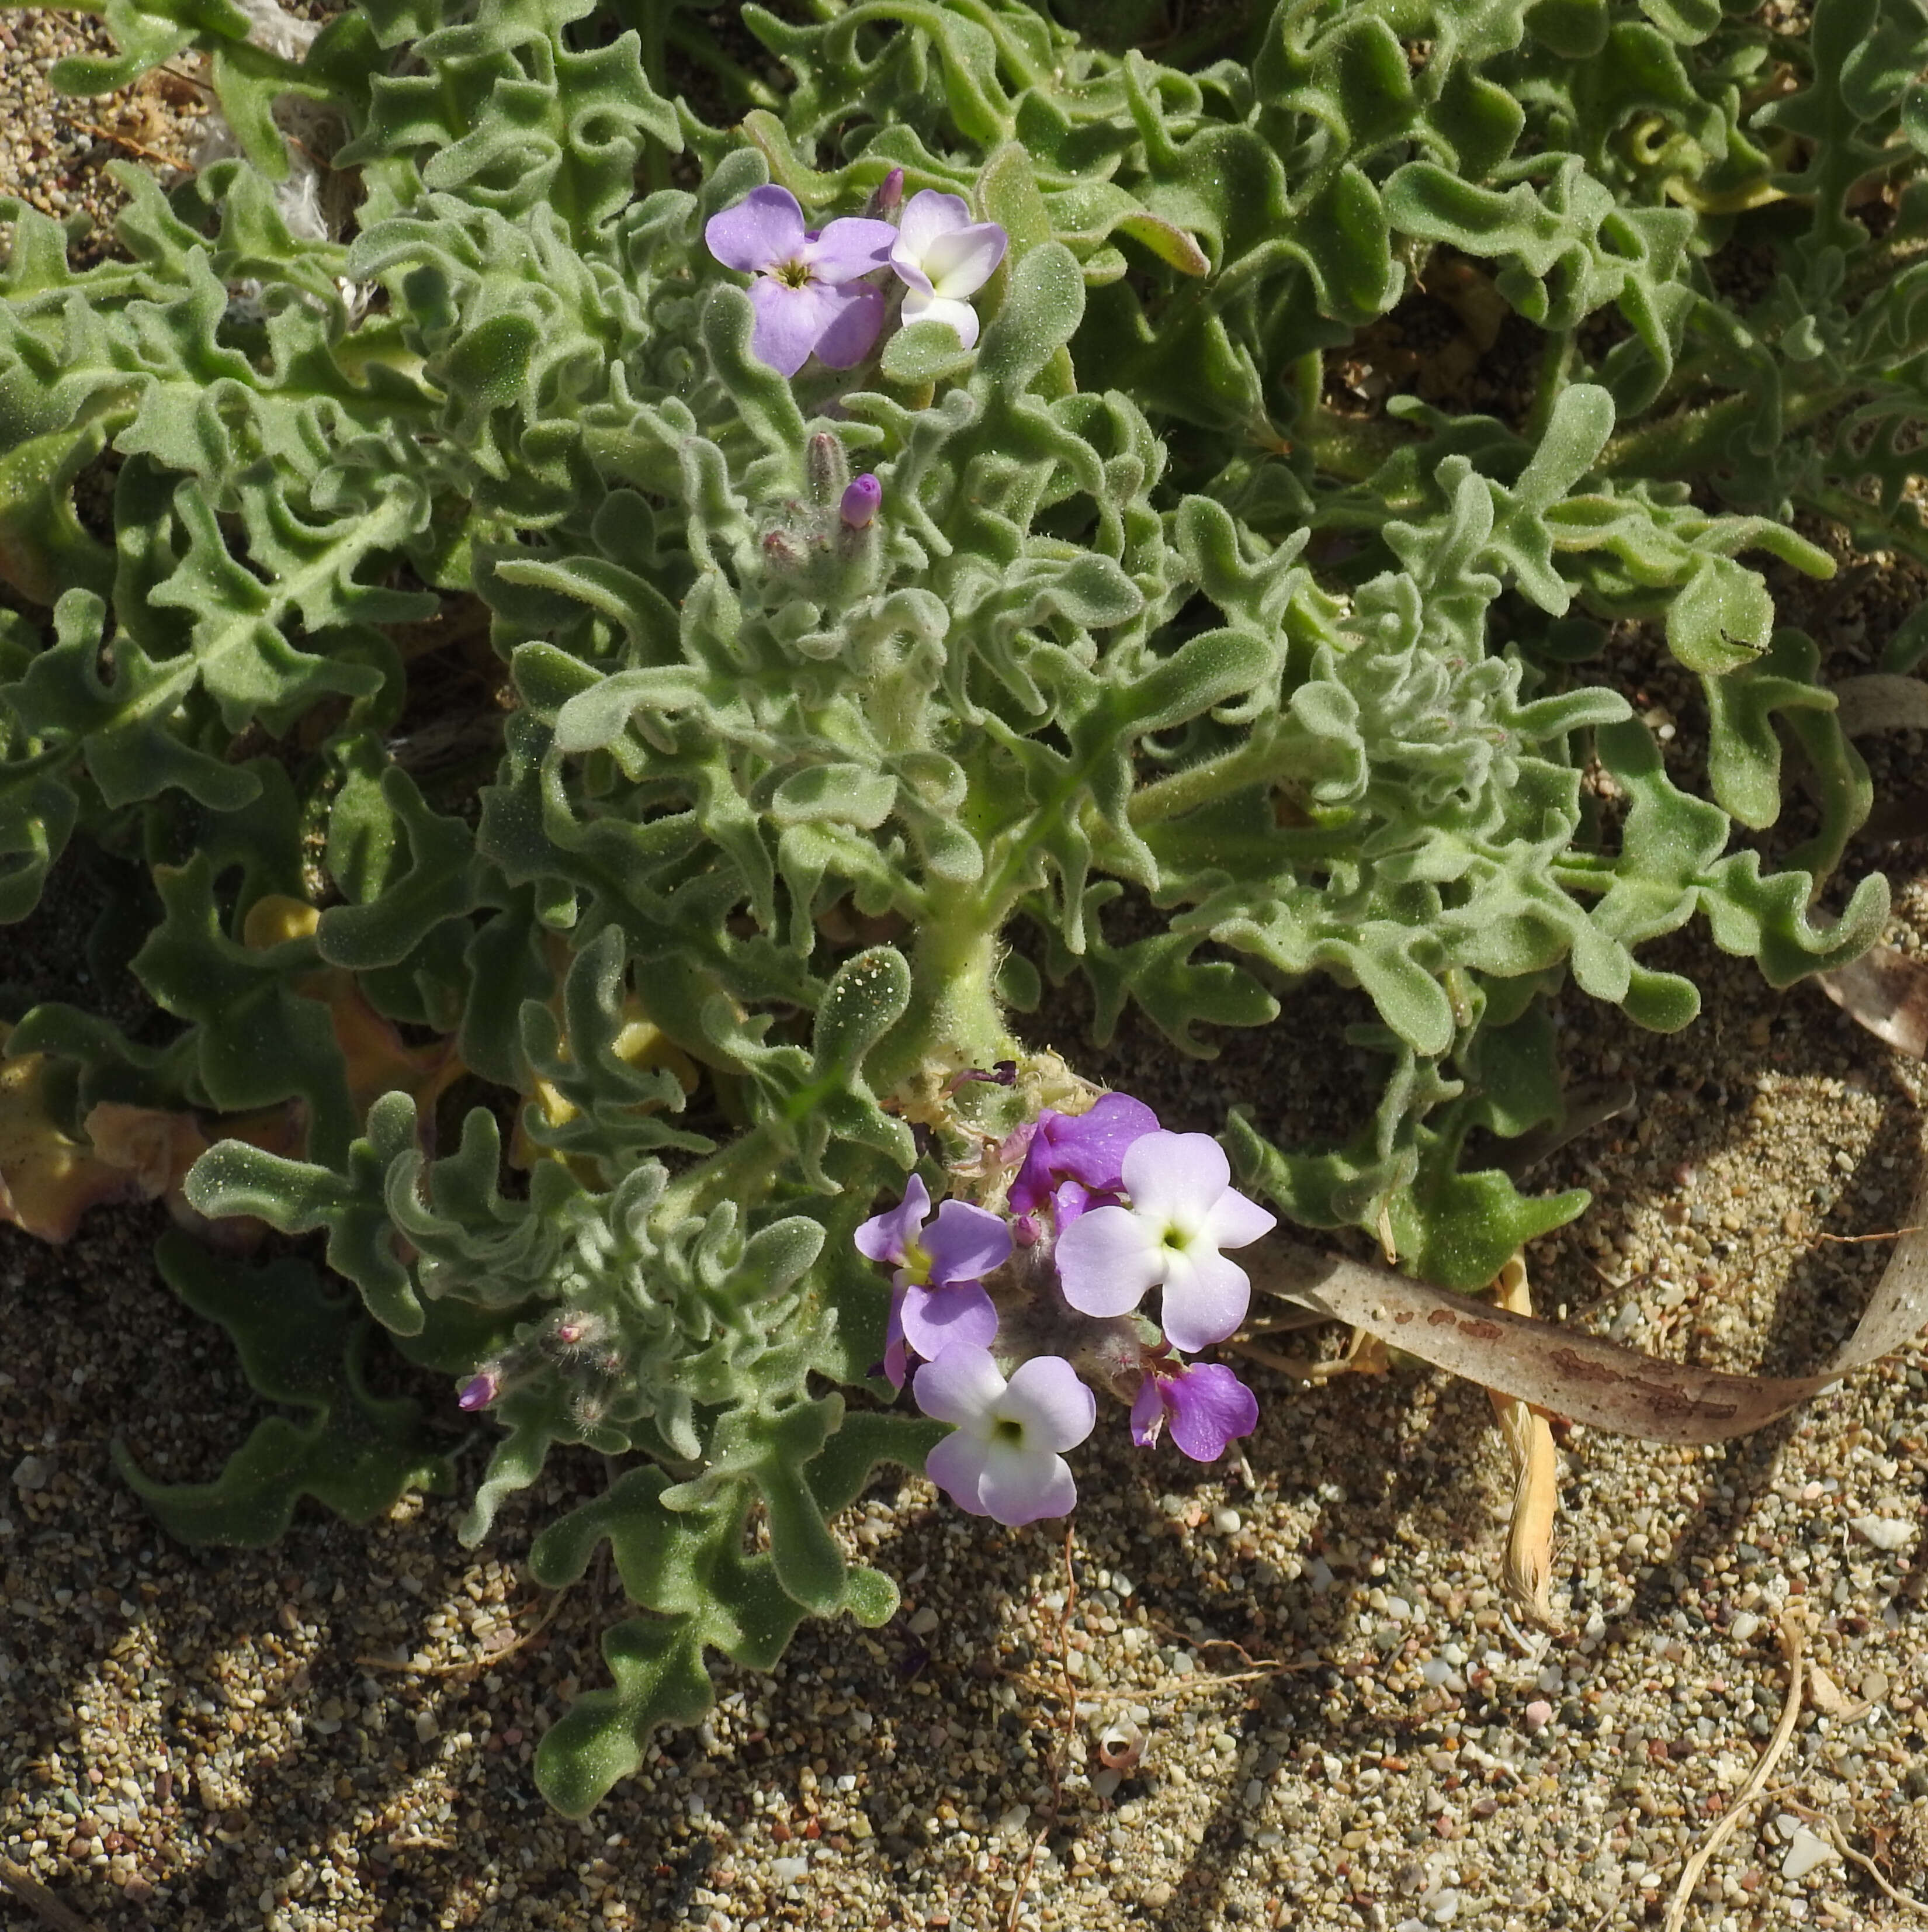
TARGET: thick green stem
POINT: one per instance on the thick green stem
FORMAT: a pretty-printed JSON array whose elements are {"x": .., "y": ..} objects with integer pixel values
[
  {"x": 1866, "y": 523},
  {"x": 1696, "y": 438},
  {"x": 954, "y": 1014},
  {"x": 687, "y": 38},
  {"x": 1349, "y": 447},
  {"x": 739, "y": 1171},
  {"x": 1556, "y": 366},
  {"x": 1248, "y": 764}
]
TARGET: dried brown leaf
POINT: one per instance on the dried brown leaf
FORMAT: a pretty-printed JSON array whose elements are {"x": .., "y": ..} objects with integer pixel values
[
  {"x": 1887, "y": 992},
  {"x": 1567, "y": 1372},
  {"x": 1882, "y": 702}
]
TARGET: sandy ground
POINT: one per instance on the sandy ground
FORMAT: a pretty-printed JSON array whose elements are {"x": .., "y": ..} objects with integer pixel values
[{"x": 1341, "y": 1727}]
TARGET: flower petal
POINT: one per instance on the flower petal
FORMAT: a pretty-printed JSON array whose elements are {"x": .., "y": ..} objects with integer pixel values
[
  {"x": 1046, "y": 1399},
  {"x": 961, "y": 1386},
  {"x": 884, "y": 1237},
  {"x": 849, "y": 247},
  {"x": 1176, "y": 1178},
  {"x": 896, "y": 1357},
  {"x": 1091, "y": 1148},
  {"x": 966, "y": 1243},
  {"x": 1032, "y": 1186},
  {"x": 919, "y": 307},
  {"x": 1236, "y": 1221},
  {"x": 1209, "y": 1406},
  {"x": 789, "y": 321},
  {"x": 1148, "y": 1411},
  {"x": 961, "y": 262},
  {"x": 1018, "y": 1488},
  {"x": 1206, "y": 1296},
  {"x": 1106, "y": 1261},
  {"x": 764, "y": 228},
  {"x": 927, "y": 215},
  {"x": 853, "y": 316},
  {"x": 935, "y": 1318},
  {"x": 956, "y": 1465}
]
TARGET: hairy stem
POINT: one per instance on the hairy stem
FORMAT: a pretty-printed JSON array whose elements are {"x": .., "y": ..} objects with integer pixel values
[
  {"x": 1249, "y": 763},
  {"x": 954, "y": 1014},
  {"x": 740, "y": 1171}
]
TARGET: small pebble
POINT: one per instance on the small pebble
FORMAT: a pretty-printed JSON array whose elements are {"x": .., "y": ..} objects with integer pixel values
[
  {"x": 1807, "y": 1851},
  {"x": 1884, "y": 1532},
  {"x": 1539, "y": 1714}
]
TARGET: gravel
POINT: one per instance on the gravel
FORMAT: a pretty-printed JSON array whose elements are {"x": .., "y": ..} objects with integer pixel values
[{"x": 1340, "y": 1725}]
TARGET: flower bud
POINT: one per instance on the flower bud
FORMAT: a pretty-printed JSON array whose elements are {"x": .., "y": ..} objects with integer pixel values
[
  {"x": 479, "y": 1391},
  {"x": 861, "y": 501},
  {"x": 826, "y": 466},
  {"x": 577, "y": 1330},
  {"x": 781, "y": 551},
  {"x": 888, "y": 195}
]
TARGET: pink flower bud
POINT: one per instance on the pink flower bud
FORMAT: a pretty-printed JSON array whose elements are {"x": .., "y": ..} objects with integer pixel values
[
  {"x": 889, "y": 193},
  {"x": 861, "y": 501}
]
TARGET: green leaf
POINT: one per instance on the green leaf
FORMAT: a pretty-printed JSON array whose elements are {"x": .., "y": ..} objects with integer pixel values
[
  {"x": 924, "y": 352},
  {"x": 1720, "y": 618},
  {"x": 355, "y": 1452}
]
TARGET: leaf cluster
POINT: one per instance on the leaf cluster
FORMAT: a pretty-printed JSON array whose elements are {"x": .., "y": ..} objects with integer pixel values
[{"x": 750, "y": 829}]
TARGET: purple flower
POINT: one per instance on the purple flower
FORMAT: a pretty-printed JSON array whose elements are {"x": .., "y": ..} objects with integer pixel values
[
  {"x": 938, "y": 1296},
  {"x": 1003, "y": 1458},
  {"x": 942, "y": 255},
  {"x": 809, "y": 293},
  {"x": 861, "y": 501},
  {"x": 1086, "y": 1148},
  {"x": 1183, "y": 1210},
  {"x": 1206, "y": 1404}
]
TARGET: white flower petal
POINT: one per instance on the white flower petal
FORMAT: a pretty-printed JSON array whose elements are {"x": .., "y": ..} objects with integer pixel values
[
  {"x": 956, "y": 1465},
  {"x": 1175, "y": 1179},
  {"x": 1107, "y": 1259},
  {"x": 1206, "y": 1296},
  {"x": 919, "y": 307},
  {"x": 1046, "y": 1399},
  {"x": 961, "y": 262},
  {"x": 1018, "y": 1487},
  {"x": 1235, "y": 1221},
  {"x": 927, "y": 215},
  {"x": 962, "y": 1386}
]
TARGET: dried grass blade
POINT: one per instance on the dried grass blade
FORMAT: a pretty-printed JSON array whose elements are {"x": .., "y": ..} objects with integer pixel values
[{"x": 1528, "y": 1577}]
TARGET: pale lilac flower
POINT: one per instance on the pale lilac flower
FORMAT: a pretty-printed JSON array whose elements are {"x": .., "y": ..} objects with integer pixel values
[
  {"x": 861, "y": 501},
  {"x": 1003, "y": 1458},
  {"x": 938, "y": 1296},
  {"x": 1183, "y": 1210},
  {"x": 1084, "y": 1149},
  {"x": 809, "y": 294},
  {"x": 942, "y": 256},
  {"x": 1206, "y": 1404}
]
